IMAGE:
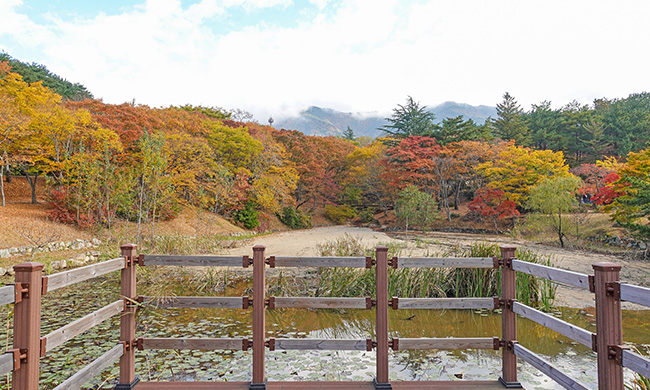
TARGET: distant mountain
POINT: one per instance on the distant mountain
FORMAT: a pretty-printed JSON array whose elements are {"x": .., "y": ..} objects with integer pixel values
[{"x": 326, "y": 121}]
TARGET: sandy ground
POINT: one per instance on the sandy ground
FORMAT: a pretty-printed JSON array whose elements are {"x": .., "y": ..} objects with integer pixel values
[{"x": 304, "y": 242}]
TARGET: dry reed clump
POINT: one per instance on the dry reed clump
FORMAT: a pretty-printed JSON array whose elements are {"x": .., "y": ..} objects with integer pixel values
[{"x": 430, "y": 282}]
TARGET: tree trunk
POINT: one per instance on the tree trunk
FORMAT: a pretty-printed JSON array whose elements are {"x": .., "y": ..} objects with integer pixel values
[
  {"x": 2, "y": 183},
  {"x": 32, "y": 183},
  {"x": 559, "y": 230}
]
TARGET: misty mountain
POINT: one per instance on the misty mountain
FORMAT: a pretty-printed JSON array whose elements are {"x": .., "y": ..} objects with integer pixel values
[{"x": 326, "y": 121}]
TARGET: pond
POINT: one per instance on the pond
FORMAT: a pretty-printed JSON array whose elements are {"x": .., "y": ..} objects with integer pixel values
[{"x": 63, "y": 306}]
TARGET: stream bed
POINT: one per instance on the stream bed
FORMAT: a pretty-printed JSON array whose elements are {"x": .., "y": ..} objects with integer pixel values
[{"x": 63, "y": 306}]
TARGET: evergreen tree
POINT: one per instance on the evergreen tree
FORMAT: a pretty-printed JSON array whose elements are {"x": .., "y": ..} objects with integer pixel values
[
  {"x": 511, "y": 122},
  {"x": 410, "y": 119},
  {"x": 348, "y": 134}
]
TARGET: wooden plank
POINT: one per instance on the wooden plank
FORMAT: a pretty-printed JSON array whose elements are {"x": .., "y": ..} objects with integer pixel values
[
  {"x": 637, "y": 363},
  {"x": 63, "y": 279},
  {"x": 73, "y": 329},
  {"x": 636, "y": 294},
  {"x": 195, "y": 302},
  {"x": 445, "y": 262},
  {"x": 446, "y": 303},
  {"x": 91, "y": 370},
  {"x": 321, "y": 344},
  {"x": 446, "y": 343},
  {"x": 7, "y": 295},
  {"x": 354, "y": 262},
  {"x": 207, "y": 344},
  {"x": 320, "y": 303},
  {"x": 194, "y": 261},
  {"x": 571, "y": 278},
  {"x": 322, "y": 385},
  {"x": 569, "y": 330},
  {"x": 6, "y": 363},
  {"x": 547, "y": 368}
]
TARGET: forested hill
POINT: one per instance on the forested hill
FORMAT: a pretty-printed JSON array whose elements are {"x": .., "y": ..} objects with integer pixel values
[
  {"x": 326, "y": 121},
  {"x": 36, "y": 72}
]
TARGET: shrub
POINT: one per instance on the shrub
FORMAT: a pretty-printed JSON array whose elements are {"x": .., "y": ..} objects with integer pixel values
[
  {"x": 294, "y": 218},
  {"x": 247, "y": 216},
  {"x": 339, "y": 214}
]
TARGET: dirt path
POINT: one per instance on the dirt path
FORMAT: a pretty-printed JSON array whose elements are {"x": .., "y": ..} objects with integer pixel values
[{"x": 304, "y": 243}]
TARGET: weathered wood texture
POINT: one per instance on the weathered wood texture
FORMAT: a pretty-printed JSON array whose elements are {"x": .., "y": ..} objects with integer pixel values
[
  {"x": 320, "y": 303},
  {"x": 508, "y": 318},
  {"x": 635, "y": 294},
  {"x": 636, "y": 363},
  {"x": 67, "y": 332},
  {"x": 321, "y": 344},
  {"x": 27, "y": 325},
  {"x": 259, "y": 315},
  {"x": 381, "y": 313},
  {"x": 445, "y": 262},
  {"x": 548, "y": 369},
  {"x": 194, "y": 261},
  {"x": 195, "y": 302},
  {"x": 6, "y": 363},
  {"x": 571, "y": 331},
  {"x": 208, "y": 344},
  {"x": 609, "y": 325},
  {"x": 128, "y": 290},
  {"x": 571, "y": 278},
  {"x": 91, "y": 370},
  {"x": 343, "y": 385},
  {"x": 446, "y": 343},
  {"x": 446, "y": 303},
  {"x": 354, "y": 262},
  {"x": 7, "y": 295},
  {"x": 63, "y": 279}
]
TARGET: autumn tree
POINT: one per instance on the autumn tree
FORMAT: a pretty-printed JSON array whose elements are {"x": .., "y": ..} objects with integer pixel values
[
  {"x": 492, "y": 203},
  {"x": 415, "y": 208},
  {"x": 555, "y": 197}
]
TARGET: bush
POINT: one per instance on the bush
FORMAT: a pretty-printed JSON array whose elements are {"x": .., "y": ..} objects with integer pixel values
[
  {"x": 339, "y": 214},
  {"x": 294, "y": 218},
  {"x": 416, "y": 208},
  {"x": 366, "y": 216},
  {"x": 247, "y": 216}
]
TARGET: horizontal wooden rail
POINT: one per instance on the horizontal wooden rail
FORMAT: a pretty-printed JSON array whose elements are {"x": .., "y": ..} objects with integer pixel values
[
  {"x": 91, "y": 370},
  {"x": 7, "y": 295},
  {"x": 63, "y": 279},
  {"x": 445, "y": 262},
  {"x": 194, "y": 343},
  {"x": 444, "y": 303},
  {"x": 196, "y": 302},
  {"x": 635, "y": 294},
  {"x": 6, "y": 363},
  {"x": 320, "y": 303},
  {"x": 445, "y": 343},
  {"x": 353, "y": 262},
  {"x": 73, "y": 329},
  {"x": 548, "y": 369},
  {"x": 636, "y": 363},
  {"x": 571, "y": 278},
  {"x": 571, "y": 331},
  {"x": 321, "y": 344},
  {"x": 193, "y": 261}
]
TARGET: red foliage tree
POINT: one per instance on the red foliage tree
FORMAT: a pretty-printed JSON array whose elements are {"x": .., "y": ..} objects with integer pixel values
[{"x": 493, "y": 203}]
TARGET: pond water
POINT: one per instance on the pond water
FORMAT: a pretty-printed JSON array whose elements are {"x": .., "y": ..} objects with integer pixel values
[{"x": 61, "y": 307}]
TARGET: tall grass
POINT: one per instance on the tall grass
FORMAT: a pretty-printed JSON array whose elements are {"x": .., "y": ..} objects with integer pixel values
[{"x": 430, "y": 282}]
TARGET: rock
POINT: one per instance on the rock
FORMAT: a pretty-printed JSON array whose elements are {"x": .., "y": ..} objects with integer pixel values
[
  {"x": 96, "y": 242},
  {"x": 80, "y": 257},
  {"x": 642, "y": 245},
  {"x": 75, "y": 263},
  {"x": 55, "y": 265},
  {"x": 94, "y": 254},
  {"x": 617, "y": 240},
  {"x": 3, "y": 271},
  {"x": 13, "y": 251},
  {"x": 10, "y": 271},
  {"x": 4, "y": 253}
]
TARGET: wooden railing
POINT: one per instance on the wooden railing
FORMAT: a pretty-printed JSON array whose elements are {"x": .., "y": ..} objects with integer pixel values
[{"x": 28, "y": 346}]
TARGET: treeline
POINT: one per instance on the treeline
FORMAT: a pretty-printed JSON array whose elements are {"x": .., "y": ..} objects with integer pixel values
[{"x": 107, "y": 162}]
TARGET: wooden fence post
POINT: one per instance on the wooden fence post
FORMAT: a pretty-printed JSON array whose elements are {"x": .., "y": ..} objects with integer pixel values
[
  {"x": 128, "y": 292},
  {"x": 27, "y": 324},
  {"x": 381, "y": 292},
  {"x": 259, "y": 313},
  {"x": 508, "y": 319},
  {"x": 609, "y": 331}
]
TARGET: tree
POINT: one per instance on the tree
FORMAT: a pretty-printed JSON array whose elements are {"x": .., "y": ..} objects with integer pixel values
[
  {"x": 492, "y": 203},
  {"x": 416, "y": 208},
  {"x": 511, "y": 122},
  {"x": 348, "y": 134},
  {"x": 555, "y": 197},
  {"x": 457, "y": 129},
  {"x": 544, "y": 123},
  {"x": 410, "y": 120}
]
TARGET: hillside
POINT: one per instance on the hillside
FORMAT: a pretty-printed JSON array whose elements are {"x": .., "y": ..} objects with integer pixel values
[{"x": 326, "y": 121}]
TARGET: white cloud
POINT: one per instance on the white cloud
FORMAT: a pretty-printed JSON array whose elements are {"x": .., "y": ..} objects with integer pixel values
[{"x": 360, "y": 56}]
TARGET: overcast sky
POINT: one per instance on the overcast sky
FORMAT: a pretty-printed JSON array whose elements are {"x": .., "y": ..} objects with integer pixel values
[{"x": 276, "y": 57}]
